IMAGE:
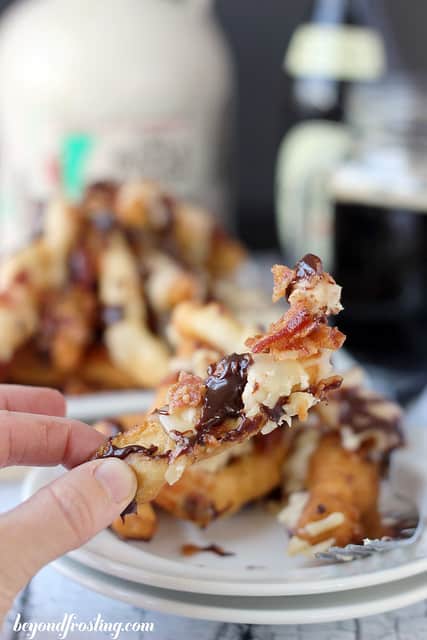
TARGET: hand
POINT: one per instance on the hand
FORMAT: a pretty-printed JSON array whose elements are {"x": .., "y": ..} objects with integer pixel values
[{"x": 66, "y": 513}]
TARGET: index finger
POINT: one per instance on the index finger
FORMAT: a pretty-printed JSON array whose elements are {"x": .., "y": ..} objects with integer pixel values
[
  {"x": 32, "y": 400},
  {"x": 33, "y": 439}
]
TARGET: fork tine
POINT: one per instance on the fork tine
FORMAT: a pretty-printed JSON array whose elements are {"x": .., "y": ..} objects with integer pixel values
[
  {"x": 355, "y": 551},
  {"x": 344, "y": 554}
]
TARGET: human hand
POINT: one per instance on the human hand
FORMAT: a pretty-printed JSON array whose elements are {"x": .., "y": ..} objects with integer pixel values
[{"x": 66, "y": 513}]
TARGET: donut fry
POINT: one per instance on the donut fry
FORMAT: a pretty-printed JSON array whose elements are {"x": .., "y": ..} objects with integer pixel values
[
  {"x": 287, "y": 372},
  {"x": 211, "y": 325},
  {"x": 107, "y": 272},
  {"x": 223, "y": 484},
  {"x": 341, "y": 505},
  {"x": 141, "y": 525}
]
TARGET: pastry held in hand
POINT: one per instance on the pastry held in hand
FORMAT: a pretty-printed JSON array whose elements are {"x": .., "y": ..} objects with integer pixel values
[
  {"x": 220, "y": 486},
  {"x": 284, "y": 373}
]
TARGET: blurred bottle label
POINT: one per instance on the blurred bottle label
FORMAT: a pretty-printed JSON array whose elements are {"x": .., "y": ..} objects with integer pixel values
[
  {"x": 342, "y": 52},
  {"x": 165, "y": 151},
  {"x": 321, "y": 58},
  {"x": 176, "y": 153},
  {"x": 306, "y": 157}
]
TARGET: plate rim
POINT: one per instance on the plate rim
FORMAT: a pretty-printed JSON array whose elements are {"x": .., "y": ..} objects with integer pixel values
[
  {"x": 224, "y": 586},
  {"x": 163, "y": 601},
  {"x": 104, "y": 404}
]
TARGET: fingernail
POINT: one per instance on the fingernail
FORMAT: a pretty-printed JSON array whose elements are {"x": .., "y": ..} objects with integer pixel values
[{"x": 117, "y": 478}]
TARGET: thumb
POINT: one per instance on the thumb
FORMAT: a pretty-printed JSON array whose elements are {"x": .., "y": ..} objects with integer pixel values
[{"x": 60, "y": 517}]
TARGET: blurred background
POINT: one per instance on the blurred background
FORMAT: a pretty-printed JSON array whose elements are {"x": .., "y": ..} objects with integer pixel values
[
  {"x": 258, "y": 34},
  {"x": 300, "y": 124}
]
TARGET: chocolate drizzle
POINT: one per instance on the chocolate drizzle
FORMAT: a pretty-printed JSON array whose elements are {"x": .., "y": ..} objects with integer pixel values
[
  {"x": 275, "y": 413},
  {"x": 192, "y": 549},
  {"x": 131, "y": 508},
  {"x": 308, "y": 267},
  {"x": 359, "y": 411},
  {"x": 111, "y": 451},
  {"x": 224, "y": 387}
]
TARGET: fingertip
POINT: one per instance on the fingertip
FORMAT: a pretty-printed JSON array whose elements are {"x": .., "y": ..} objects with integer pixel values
[
  {"x": 34, "y": 400},
  {"x": 117, "y": 480}
]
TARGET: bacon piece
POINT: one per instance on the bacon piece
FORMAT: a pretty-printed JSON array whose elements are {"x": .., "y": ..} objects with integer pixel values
[
  {"x": 298, "y": 322},
  {"x": 282, "y": 277},
  {"x": 187, "y": 392}
]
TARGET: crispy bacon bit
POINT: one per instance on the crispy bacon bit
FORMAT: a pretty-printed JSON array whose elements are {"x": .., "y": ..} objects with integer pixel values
[
  {"x": 308, "y": 268},
  {"x": 282, "y": 277},
  {"x": 322, "y": 388},
  {"x": 322, "y": 337},
  {"x": 298, "y": 322},
  {"x": 302, "y": 329},
  {"x": 328, "y": 337},
  {"x": 187, "y": 392}
]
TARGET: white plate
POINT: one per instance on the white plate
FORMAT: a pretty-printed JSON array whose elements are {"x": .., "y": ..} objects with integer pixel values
[
  {"x": 271, "y": 610},
  {"x": 260, "y": 566},
  {"x": 105, "y": 404}
]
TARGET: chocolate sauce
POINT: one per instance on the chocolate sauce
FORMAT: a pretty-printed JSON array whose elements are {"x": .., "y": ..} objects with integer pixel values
[
  {"x": 358, "y": 412},
  {"x": 308, "y": 267},
  {"x": 192, "y": 549},
  {"x": 200, "y": 509},
  {"x": 131, "y": 508},
  {"x": 111, "y": 451},
  {"x": 223, "y": 399},
  {"x": 322, "y": 388},
  {"x": 224, "y": 387},
  {"x": 275, "y": 413}
]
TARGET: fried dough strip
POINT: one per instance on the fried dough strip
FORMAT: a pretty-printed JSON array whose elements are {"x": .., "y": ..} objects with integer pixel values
[
  {"x": 67, "y": 327},
  {"x": 134, "y": 248},
  {"x": 242, "y": 395},
  {"x": 141, "y": 525},
  {"x": 167, "y": 283},
  {"x": 135, "y": 350},
  {"x": 332, "y": 480},
  {"x": 206, "y": 492},
  {"x": 98, "y": 371},
  {"x": 29, "y": 273},
  {"x": 341, "y": 505},
  {"x": 211, "y": 325}
]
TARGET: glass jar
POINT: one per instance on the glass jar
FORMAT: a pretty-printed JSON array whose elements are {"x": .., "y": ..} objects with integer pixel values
[
  {"x": 111, "y": 90},
  {"x": 379, "y": 225}
]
